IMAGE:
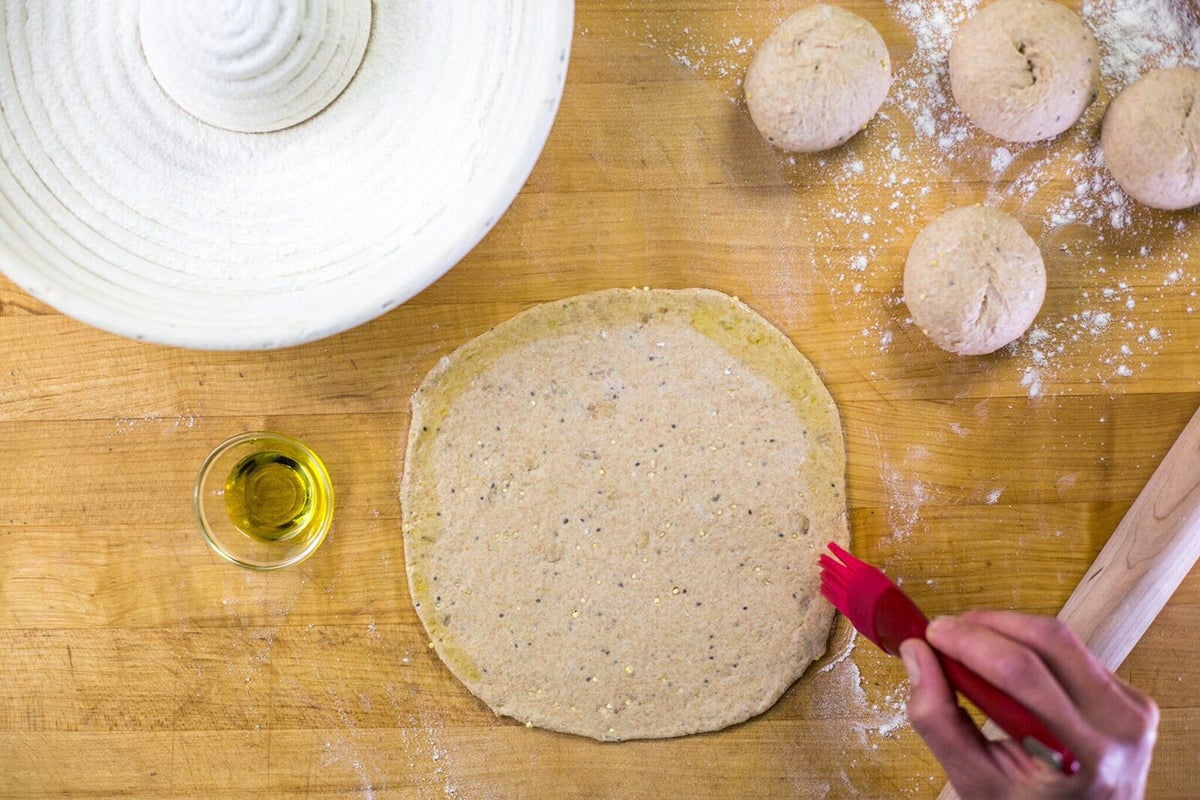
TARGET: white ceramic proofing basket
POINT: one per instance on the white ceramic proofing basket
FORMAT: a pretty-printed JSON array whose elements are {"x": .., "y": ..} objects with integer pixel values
[{"x": 120, "y": 209}]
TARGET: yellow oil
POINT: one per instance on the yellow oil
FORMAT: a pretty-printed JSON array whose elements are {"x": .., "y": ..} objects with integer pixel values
[{"x": 273, "y": 496}]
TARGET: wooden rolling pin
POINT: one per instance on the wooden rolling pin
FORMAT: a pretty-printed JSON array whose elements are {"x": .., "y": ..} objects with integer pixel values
[{"x": 1141, "y": 566}]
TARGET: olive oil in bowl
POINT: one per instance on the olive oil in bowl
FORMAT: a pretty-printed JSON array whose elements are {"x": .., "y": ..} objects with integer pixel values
[
  {"x": 264, "y": 500},
  {"x": 272, "y": 496}
]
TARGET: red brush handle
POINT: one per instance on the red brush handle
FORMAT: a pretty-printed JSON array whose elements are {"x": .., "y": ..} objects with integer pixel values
[
  {"x": 905, "y": 621},
  {"x": 1012, "y": 717}
]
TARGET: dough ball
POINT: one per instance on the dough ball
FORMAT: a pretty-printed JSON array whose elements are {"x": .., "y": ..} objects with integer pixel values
[
  {"x": 1151, "y": 138},
  {"x": 818, "y": 79},
  {"x": 974, "y": 280},
  {"x": 1024, "y": 70}
]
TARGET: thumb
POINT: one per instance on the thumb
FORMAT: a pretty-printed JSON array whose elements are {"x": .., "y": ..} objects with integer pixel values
[{"x": 946, "y": 728}]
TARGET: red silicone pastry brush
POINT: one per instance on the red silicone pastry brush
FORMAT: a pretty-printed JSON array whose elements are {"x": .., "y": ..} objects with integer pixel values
[{"x": 886, "y": 616}]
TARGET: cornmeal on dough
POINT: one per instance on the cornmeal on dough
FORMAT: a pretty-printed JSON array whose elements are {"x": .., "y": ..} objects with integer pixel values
[
  {"x": 612, "y": 511},
  {"x": 817, "y": 79}
]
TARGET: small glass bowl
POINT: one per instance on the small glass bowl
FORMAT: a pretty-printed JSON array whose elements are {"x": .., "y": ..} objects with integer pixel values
[{"x": 229, "y": 472}]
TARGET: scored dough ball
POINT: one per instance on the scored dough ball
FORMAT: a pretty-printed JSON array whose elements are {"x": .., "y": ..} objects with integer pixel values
[
  {"x": 818, "y": 79},
  {"x": 1151, "y": 138},
  {"x": 1024, "y": 70},
  {"x": 974, "y": 280}
]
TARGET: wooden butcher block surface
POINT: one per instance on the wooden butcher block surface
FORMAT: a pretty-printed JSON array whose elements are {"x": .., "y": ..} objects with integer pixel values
[{"x": 136, "y": 663}]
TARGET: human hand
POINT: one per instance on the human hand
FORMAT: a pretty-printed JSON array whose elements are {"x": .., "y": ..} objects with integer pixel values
[{"x": 1041, "y": 663}]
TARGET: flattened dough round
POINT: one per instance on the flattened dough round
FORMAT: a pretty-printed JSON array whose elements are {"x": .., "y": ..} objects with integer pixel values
[
  {"x": 974, "y": 280},
  {"x": 612, "y": 511},
  {"x": 1024, "y": 70},
  {"x": 1151, "y": 138},
  {"x": 817, "y": 79}
]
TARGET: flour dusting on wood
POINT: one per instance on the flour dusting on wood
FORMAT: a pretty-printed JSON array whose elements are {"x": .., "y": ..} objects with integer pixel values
[{"x": 1086, "y": 227}]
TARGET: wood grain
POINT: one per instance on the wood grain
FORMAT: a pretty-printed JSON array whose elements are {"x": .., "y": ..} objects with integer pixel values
[
  {"x": 137, "y": 664},
  {"x": 1148, "y": 556}
]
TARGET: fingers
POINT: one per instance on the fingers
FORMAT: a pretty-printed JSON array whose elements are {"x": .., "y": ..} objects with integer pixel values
[
  {"x": 1109, "y": 725},
  {"x": 1146, "y": 708},
  {"x": 1102, "y": 697},
  {"x": 946, "y": 728},
  {"x": 1084, "y": 678},
  {"x": 1017, "y": 669}
]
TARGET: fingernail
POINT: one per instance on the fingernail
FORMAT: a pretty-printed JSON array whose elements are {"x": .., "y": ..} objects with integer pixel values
[
  {"x": 937, "y": 624},
  {"x": 909, "y": 657}
]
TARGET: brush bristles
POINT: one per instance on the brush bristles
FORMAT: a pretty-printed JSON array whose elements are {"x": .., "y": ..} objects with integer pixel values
[
  {"x": 854, "y": 588},
  {"x": 834, "y": 581}
]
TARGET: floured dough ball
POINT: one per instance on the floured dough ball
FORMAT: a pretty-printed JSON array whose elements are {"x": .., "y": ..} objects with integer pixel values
[
  {"x": 1151, "y": 138},
  {"x": 818, "y": 79},
  {"x": 1024, "y": 70},
  {"x": 974, "y": 280}
]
